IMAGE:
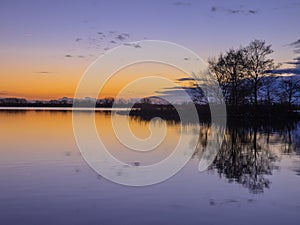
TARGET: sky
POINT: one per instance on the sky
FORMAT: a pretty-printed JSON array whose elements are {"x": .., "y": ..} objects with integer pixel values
[{"x": 47, "y": 45}]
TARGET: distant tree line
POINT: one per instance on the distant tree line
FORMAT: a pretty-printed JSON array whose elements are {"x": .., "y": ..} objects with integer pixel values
[{"x": 63, "y": 102}]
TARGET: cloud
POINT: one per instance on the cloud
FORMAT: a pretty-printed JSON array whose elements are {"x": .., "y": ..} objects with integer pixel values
[
  {"x": 135, "y": 45},
  {"x": 178, "y": 94},
  {"x": 295, "y": 43},
  {"x": 101, "y": 34},
  {"x": 215, "y": 9},
  {"x": 180, "y": 3},
  {"x": 121, "y": 37},
  {"x": 43, "y": 72},
  {"x": 178, "y": 89},
  {"x": 297, "y": 59},
  {"x": 171, "y": 92},
  {"x": 252, "y": 11},
  {"x": 97, "y": 41},
  {"x": 296, "y": 46},
  {"x": 3, "y": 93},
  {"x": 126, "y": 35},
  {"x": 296, "y": 62},
  {"x": 234, "y": 11},
  {"x": 295, "y": 71},
  {"x": 293, "y": 63},
  {"x": 297, "y": 51},
  {"x": 186, "y": 79}
]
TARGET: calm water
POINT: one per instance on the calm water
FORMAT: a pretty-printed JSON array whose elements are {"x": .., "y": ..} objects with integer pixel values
[{"x": 44, "y": 180}]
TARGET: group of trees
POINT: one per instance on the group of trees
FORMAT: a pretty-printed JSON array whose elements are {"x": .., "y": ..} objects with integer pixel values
[{"x": 246, "y": 72}]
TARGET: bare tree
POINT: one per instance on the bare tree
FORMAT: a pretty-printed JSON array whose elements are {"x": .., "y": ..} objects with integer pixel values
[
  {"x": 270, "y": 92},
  {"x": 258, "y": 64},
  {"x": 290, "y": 90},
  {"x": 229, "y": 70}
]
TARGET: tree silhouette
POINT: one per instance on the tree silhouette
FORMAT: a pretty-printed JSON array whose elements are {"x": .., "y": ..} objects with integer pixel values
[
  {"x": 229, "y": 71},
  {"x": 290, "y": 90},
  {"x": 246, "y": 155},
  {"x": 258, "y": 64},
  {"x": 240, "y": 72}
]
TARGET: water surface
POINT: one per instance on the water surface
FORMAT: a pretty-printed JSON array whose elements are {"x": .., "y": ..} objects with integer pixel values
[{"x": 44, "y": 179}]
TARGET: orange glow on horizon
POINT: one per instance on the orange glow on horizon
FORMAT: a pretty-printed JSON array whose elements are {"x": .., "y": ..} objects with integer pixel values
[{"x": 63, "y": 81}]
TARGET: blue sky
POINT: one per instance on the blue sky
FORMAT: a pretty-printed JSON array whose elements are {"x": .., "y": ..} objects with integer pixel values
[
  {"x": 207, "y": 26},
  {"x": 42, "y": 33}
]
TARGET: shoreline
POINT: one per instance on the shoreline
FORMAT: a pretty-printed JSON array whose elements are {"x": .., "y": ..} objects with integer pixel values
[{"x": 245, "y": 114}]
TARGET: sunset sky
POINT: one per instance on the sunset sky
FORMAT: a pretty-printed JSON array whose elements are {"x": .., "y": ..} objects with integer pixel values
[{"x": 47, "y": 45}]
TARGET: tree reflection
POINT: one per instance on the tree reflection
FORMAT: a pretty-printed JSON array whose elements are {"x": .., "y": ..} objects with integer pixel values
[{"x": 249, "y": 155}]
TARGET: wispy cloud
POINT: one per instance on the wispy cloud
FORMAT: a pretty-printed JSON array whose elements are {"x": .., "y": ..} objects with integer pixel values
[
  {"x": 121, "y": 37},
  {"x": 98, "y": 42},
  {"x": 252, "y": 11},
  {"x": 43, "y": 72},
  {"x": 185, "y": 79},
  {"x": 234, "y": 11},
  {"x": 215, "y": 9},
  {"x": 127, "y": 35},
  {"x": 296, "y": 46},
  {"x": 135, "y": 45},
  {"x": 295, "y": 43},
  {"x": 296, "y": 62},
  {"x": 295, "y": 71},
  {"x": 181, "y": 3},
  {"x": 4, "y": 93}
]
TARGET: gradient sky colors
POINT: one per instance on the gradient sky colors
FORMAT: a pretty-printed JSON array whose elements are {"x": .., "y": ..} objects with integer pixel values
[{"x": 47, "y": 45}]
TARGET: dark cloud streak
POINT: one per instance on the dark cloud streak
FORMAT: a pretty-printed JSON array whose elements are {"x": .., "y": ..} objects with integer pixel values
[
  {"x": 215, "y": 9},
  {"x": 135, "y": 45},
  {"x": 186, "y": 79},
  {"x": 43, "y": 72},
  {"x": 4, "y": 93},
  {"x": 295, "y": 44},
  {"x": 295, "y": 71},
  {"x": 181, "y": 3},
  {"x": 253, "y": 11}
]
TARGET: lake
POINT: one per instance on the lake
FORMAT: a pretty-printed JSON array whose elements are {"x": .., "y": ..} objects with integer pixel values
[{"x": 255, "y": 178}]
